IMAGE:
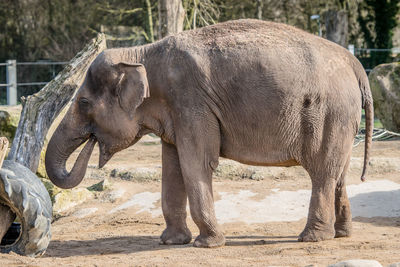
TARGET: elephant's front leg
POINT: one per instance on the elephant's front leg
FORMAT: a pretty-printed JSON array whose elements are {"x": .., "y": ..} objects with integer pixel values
[
  {"x": 201, "y": 201},
  {"x": 174, "y": 199},
  {"x": 198, "y": 155}
]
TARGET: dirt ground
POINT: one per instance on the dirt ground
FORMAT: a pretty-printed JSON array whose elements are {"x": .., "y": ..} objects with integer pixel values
[{"x": 117, "y": 228}]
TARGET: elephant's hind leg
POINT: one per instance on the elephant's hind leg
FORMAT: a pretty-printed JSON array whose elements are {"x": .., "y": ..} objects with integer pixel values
[
  {"x": 321, "y": 214},
  {"x": 329, "y": 207},
  {"x": 174, "y": 199},
  {"x": 329, "y": 213},
  {"x": 342, "y": 206}
]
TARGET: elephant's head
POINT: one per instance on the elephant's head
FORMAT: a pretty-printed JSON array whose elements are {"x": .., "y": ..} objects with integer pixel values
[{"x": 104, "y": 111}]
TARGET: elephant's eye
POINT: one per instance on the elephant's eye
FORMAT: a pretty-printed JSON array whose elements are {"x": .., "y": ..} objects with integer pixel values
[{"x": 83, "y": 102}]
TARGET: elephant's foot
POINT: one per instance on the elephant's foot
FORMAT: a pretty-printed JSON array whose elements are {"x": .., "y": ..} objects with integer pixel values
[
  {"x": 209, "y": 241},
  {"x": 343, "y": 229},
  {"x": 172, "y": 236},
  {"x": 314, "y": 235}
]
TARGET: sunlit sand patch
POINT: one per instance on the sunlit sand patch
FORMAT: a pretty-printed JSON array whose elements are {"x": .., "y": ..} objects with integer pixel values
[
  {"x": 145, "y": 201},
  {"x": 84, "y": 212},
  {"x": 369, "y": 199}
]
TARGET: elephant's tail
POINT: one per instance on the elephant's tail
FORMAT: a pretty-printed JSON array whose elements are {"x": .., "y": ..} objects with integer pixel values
[{"x": 367, "y": 105}]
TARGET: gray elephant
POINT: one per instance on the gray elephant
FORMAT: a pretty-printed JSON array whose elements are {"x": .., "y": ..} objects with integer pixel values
[{"x": 257, "y": 92}]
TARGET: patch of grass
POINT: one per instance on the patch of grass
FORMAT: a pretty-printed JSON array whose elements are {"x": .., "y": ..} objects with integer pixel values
[{"x": 377, "y": 122}]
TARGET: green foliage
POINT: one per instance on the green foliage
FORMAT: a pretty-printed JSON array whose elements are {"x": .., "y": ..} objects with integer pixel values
[
  {"x": 57, "y": 30},
  {"x": 291, "y": 12},
  {"x": 8, "y": 125},
  {"x": 377, "y": 20},
  {"x": 149, "y": 22},
  {"x": 43, "y": 29}
]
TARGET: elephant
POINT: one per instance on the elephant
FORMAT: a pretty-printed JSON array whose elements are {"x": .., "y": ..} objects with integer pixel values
[{"x": 257, "y": 92}]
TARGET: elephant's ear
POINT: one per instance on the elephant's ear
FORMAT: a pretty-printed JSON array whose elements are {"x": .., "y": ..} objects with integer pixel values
[{"x": 132, "y": 87}]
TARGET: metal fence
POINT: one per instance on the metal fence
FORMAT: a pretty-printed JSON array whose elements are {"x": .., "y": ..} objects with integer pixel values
[
  {"x": 366, "y": 56},
  {"x": 11, "y": 77}
]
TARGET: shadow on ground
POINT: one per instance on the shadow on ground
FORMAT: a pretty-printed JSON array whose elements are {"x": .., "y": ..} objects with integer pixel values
[
  {"x": 103, "y": 246},
  {"x": 134, "y": 244},
  {"x": 379, "y": 221},
  {"x": 259, "y": 240},
  {"x": 381, "y": 208}
]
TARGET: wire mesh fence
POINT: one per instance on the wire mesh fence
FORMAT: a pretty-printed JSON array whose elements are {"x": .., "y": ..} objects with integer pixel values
[
  {"x": 30, "y": 77},
  {"x": 371, "y": 57}
]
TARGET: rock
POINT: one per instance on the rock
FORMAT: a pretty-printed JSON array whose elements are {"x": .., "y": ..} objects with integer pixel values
[
  {"x": 228, "y": 169},
  {"x": 102, "y": 186},
  {"x": 397, "y": 264},
  {"x": 69, "y": 198},
  {"x": 93, "y": 172},
  {"x": 114, "y": 173},
  {"x": 385, "y": 86},
  {"x": 357, "y": 263},
  {"x": 53, "y": 190},
  {"x": 112, "y": 196},
  {"x": 138, "y": 175},
  {"x": 8, "y": 125},
  {"x": 234, "y": 171}
]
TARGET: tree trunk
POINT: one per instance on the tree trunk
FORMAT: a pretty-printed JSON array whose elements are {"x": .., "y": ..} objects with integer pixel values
[
  {"x": 336, "y": 23},
  {"x": 260, "y": 5},
  {"x": 171, "y": 15},
  {"x": 149, "y": 22},
  {"x": 39, "y": 110}
]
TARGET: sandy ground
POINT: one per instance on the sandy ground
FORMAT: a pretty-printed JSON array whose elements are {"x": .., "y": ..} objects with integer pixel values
[{"x": 260, "y": 217}]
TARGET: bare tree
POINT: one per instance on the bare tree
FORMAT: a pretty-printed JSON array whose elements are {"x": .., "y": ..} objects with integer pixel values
[
  {"x": 260, "y": 6},
  {"x": 171, "y": 16},
  {"x": 336, "y": 23},
  {"x": 201, "y": 13},
  {"x": 149, "y": 22}
]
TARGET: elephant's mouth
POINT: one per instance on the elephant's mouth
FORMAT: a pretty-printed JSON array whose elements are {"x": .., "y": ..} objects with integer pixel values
[
  {"x": 107, "y": 151},
  {"x": 105, "y": 154}
]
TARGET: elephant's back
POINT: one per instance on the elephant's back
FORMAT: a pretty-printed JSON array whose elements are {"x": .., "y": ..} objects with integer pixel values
[
  {"x": 259, "y": 46},
  {"x": 253, "y": 63},
  {"x": 247, "y": 35}
]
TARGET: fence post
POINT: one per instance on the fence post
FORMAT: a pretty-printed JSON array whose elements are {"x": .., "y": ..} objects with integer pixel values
[
  {"x": 12, "y": 82},
  {"x": 351, "y": 48}
]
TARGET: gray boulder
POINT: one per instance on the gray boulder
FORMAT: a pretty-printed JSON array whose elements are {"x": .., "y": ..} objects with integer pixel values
[{"x": 385, "y": 86}]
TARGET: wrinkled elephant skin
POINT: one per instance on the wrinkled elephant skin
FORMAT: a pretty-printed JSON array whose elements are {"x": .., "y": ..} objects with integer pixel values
[{"x": 257, "y": 92}]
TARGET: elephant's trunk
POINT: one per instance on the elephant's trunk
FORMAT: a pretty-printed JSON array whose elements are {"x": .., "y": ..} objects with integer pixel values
[{"x": 58, "y": 151}]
